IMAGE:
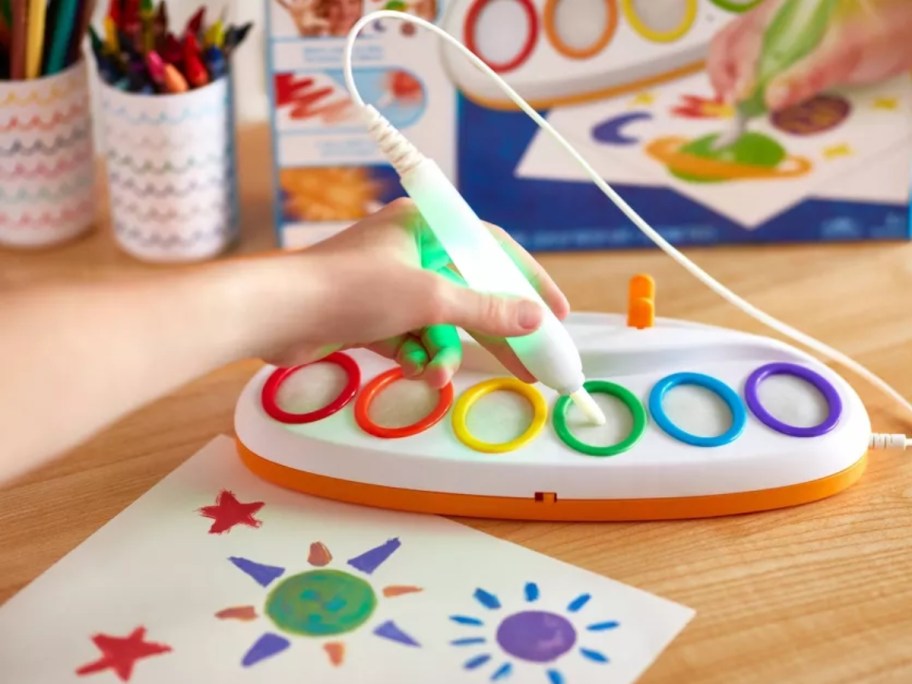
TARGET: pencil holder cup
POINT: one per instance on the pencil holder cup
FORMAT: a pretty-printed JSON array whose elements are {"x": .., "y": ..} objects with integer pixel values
[
  {"x": 47, "y": 159},
  {"x": 171, "y": 169}
]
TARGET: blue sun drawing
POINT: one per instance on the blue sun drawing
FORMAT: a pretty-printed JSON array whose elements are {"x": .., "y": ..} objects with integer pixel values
[
  {"x": 536, "y": 637},
  {"x": 322, "y": 603}
]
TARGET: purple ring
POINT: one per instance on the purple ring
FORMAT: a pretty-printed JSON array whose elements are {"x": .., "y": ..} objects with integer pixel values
[{"x": 818, "y": 381}]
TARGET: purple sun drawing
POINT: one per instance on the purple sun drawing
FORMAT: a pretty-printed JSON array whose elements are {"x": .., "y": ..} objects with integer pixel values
[
  {"x": 322, "y": 603},
  {"x": 531, "y": 636}
]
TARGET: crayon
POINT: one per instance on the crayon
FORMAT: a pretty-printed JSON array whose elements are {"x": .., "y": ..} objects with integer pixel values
[
  {"x": 195, "y": 22},
  {"x": 171, "y": 51},
  {"x": 18, "y": 39},
  {"x": 215, "y": 63},
  {"x": 106, "y": 66},
  {"x": 35, "y": 41},
  {"x": 235, "y": 36},
  {"x": 215, "y": 34},
  {"x": 111, "y": 37},
  {"x": 174, "y": 82},
  {"x": 194, "y": 70},
  {"x": 147, "y": 19},
  {"x": 114, "y": 11},
  {"x": 155, "y": 65}
]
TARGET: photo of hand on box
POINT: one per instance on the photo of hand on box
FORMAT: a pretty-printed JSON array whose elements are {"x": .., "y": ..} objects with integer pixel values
[{"x": 315, "y": 18}]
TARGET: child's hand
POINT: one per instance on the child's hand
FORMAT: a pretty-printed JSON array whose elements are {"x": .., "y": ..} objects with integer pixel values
[
  {"x": 868, "y": 41},
  {"x": 380, "y": 285}
]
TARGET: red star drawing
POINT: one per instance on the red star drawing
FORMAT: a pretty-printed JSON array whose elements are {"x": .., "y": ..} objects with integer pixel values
[
  {"x": 228, "y": 512},
  {"x": 121, "y": 653}
]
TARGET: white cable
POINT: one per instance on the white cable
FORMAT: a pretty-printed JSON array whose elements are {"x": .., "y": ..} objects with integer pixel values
[
  {"x": 637, "y": 220},
  {"x": 883, "y": 441}
]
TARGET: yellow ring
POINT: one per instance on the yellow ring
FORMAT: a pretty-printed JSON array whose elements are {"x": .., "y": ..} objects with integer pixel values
[
  {"x": 550, "y": 24},
  {"x": 473, "y": 394},
  {"x": 657, "y": 36}
]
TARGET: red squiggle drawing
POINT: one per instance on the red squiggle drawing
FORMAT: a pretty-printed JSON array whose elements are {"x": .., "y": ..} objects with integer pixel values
[
  {"x": 42, "y": 170},
  {"x": 47, "y": 218},
  {"x": 37, "y": 122},
  {"x": 697, "y": 107}
]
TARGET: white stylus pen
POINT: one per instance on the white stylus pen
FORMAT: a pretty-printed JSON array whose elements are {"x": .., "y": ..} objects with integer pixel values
[{"x": 549, "y": 352}]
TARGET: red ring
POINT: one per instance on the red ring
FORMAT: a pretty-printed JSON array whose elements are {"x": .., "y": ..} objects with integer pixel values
[
  {"x": 469, "y": 38},
  {"x": 280, "y": 375},
  {"x": 377, "y": 385}
]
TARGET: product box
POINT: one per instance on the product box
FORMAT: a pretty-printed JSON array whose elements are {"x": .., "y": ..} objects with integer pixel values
[{"x": 626, "y": 82}]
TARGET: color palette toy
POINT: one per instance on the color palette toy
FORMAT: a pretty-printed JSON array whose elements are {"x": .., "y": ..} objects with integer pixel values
[
  {"x": 792, "y": 430},
  {"x": 559, "y": 52}
]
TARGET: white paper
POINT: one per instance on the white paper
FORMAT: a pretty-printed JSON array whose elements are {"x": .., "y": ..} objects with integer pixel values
[
  {"x": 47, "y": 163},
  {"x": 158, "y": 567},
  {"x": 172, "y": 171},
  {"x": 860, "y": 142}
]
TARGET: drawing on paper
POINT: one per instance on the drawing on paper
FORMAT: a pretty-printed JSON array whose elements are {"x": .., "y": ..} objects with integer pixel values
[
  {"x": 228, "y": 512},
  {"x": 120, "y": 654},
  {"x": 613, "y": 131},
  {"x": 816, "y": 115},
  {"x": 753, "y": 156},
  {"x": 529, "y": 636},
  {"x": 320, "y": 603},
  {"x": 699, "y": 107}
]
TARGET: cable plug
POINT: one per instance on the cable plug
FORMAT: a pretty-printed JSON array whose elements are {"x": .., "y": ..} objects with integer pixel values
[{"x": 892, "y": 442}]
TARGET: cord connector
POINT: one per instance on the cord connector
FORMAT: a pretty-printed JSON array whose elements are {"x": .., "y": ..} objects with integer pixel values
[
  {"x": 886, "y": 441},
  {"x": 402, "y": 155}
]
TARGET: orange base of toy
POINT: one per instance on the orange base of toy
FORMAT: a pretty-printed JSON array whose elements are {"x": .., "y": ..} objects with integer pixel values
[{"x": 545, "y": 505}]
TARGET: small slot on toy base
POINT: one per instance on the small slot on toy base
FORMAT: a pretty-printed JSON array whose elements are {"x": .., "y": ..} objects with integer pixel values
[{"x": 545, "y": 497}]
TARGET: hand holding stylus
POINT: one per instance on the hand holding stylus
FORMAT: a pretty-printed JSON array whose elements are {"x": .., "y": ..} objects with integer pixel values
[{"x": 866, "y": 41}]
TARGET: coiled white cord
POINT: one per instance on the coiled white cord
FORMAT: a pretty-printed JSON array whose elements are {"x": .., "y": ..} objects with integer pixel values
[{"x": 637, "y": 220}]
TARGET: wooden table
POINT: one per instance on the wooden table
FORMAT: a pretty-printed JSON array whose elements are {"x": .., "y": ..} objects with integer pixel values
[{"x": 821, "y": 593}]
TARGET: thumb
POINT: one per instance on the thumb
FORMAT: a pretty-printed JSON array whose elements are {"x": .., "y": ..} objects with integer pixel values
[{"x": 483, "y": 312}]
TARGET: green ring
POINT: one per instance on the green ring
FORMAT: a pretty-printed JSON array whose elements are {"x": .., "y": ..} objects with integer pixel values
[
  {"x": 634, "y": 405},
  {"x": 736, "y": 7}
]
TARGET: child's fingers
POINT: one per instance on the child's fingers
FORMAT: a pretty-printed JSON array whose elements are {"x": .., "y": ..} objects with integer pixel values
[
  {"x": 533, "y": 271},
  {"x": 503, "y": 353},
  {"x": 444, "y": 350}
]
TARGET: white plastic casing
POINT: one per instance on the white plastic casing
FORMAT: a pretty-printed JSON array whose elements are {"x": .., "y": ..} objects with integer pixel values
[
  {"x": 548, "y": 353},
  {"x": 656, "y": 466}
]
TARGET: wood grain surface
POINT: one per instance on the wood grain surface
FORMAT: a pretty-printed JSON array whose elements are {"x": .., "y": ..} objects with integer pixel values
[{"x": 820, "y": 593}]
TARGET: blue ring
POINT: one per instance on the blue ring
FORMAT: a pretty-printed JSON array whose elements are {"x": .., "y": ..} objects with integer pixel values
[{"x": 726, "y": 393}]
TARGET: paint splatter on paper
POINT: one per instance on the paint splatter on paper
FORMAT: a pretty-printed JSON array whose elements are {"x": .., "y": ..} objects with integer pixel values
[
  {"x": 228, "y": 512},
  {"x": 233, "y": 608},
  {"x": 323, "y": 602},
  {"x": 120, "y": 654},
  {"x": 531, "y": 636}
]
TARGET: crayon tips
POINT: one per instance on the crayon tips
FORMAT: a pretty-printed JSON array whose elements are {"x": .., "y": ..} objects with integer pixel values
[
  {"x": 174, "y": 82},
  {"x": 141, "y": 53}
]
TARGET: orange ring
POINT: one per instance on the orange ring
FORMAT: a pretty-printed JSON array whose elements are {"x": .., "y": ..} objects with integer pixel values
[
  {"x": 377, "y": 385},
  {"x": 666, "y": 151},
  {"x": 579, "y": 53}
]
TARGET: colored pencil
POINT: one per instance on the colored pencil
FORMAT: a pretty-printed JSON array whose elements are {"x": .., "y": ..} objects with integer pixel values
[
  {"x": 86, "y": 10},
  {"x": 18, "y": 39},
  {"x": 6, "y": 12},
  {"x": 35, "y": 40},
  {"x": 59, "y": 44}
]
